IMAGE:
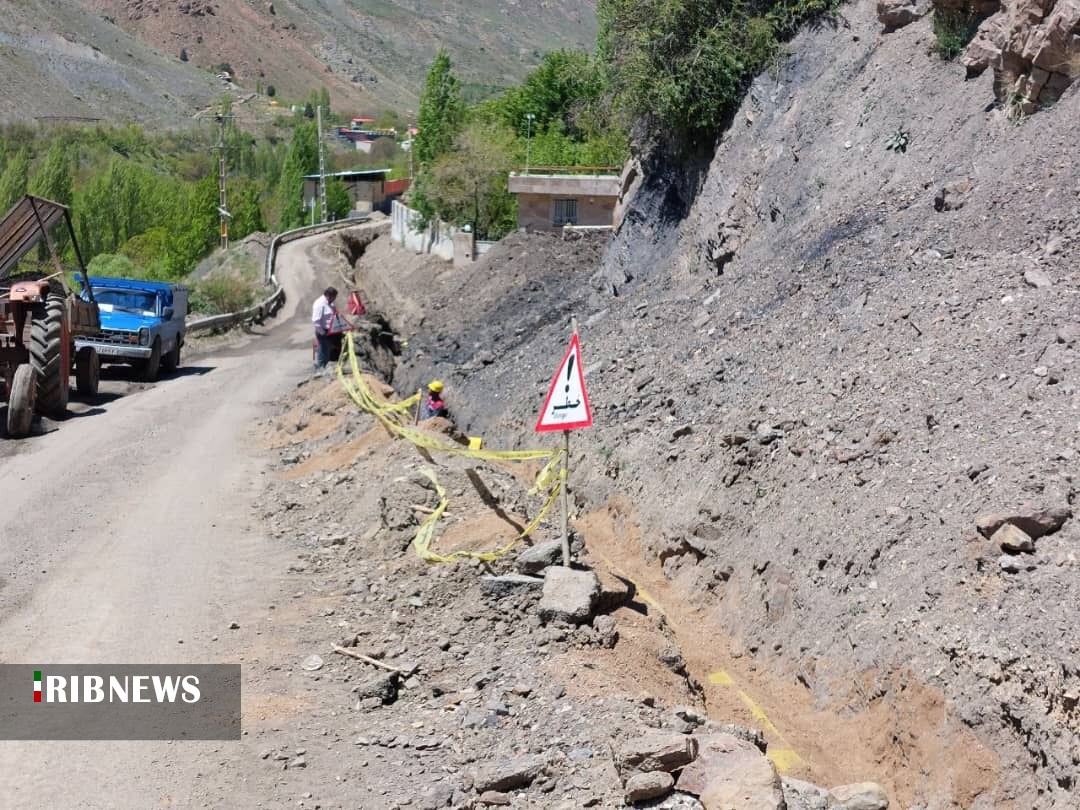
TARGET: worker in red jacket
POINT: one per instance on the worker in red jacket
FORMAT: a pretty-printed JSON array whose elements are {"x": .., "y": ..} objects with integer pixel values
[{"x": 433, "y": 404}]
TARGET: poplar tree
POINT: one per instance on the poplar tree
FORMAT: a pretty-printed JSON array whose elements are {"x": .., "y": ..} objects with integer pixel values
[
  {"x": 442, "y": 111},
  {"x": 52, "y": 181},
  {"x": 13, "y": 181}
]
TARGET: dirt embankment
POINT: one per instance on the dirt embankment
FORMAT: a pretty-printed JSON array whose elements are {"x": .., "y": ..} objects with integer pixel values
[{"x": 803, "y": 407}]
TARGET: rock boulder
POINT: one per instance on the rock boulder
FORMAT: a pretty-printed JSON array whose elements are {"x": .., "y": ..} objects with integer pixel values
[
  {"x": 860, "y": 796},
  {"x": 895, "y": 14},
  {"x": 730, "y": 773},
  {"x": 569, "y": 595},
  {"x": 1032, "y": 47},
  {"x": 651, "y": 785},
  {"x": 656, "y": 751},
  {"x": 1035, "y": 520}
]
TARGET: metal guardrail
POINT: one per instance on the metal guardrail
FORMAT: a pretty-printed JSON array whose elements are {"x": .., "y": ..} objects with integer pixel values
[{"x": 269, "y": 307}]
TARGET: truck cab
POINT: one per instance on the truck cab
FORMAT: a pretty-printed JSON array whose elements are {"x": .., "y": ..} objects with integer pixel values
[{"x": 142, "y": 324}]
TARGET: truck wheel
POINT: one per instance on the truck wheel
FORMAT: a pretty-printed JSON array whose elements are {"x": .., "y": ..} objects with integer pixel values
[
  {"x": 50, "y": 355},
  {"x": 20, "y": 409},
  {"x": 171, "y": 361},
  {"x": 151, "y": 366},
  {"x": 87, "y": 371}
]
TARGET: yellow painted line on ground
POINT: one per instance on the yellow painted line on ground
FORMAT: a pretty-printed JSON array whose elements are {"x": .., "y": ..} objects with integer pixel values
[
  {"x": 785, "y": 758},
  {"x": 720, "y": 678},
  {"x": 646, "y": 597}
]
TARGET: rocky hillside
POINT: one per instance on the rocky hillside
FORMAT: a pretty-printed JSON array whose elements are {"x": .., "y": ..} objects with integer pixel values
[
  {"x": 834, "y": 367},
  {"x": 369, "y": 53},
  {"x": 60, "y": 59}
]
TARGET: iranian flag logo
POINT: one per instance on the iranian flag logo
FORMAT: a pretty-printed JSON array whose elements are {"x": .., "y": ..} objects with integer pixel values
[{"x": 37, "y": 686}]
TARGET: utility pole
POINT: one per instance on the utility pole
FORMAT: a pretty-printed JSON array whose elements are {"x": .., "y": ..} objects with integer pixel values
[
  {"x": 322, "y": 164},
  {"x": 223, "y": 176},
  {"x": 412, "y": 145},
  {"x": 529, "y": 117}
]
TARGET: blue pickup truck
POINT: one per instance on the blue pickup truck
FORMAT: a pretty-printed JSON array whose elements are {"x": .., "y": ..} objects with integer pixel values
[{"x": 142, "y": 324}]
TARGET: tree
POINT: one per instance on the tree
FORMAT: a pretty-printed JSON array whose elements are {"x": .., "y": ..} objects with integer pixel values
[
  {"x": 183, "y": 55},
  {"x": 390, "y": 119},
  {"x": 111, "y": 265},
  {"x": 271, "y": 91},
  {"x": 338, "y": 201},
  {"x": 148, "y": 251},
  {"x": 309, "y": 110},
  {"x": 681, "y": 67},
  {"x": 245, "y": 208},
  {"x": 468, "y": 185},
  {"x": 52, "y": 181},
  {"x": 442, "y": 111},
  {"x": 13, "y": 181},
  {"x": 303, "y": 158},
  {"x": 561, "y": 91},
  {"x": 194, "y": 228}
]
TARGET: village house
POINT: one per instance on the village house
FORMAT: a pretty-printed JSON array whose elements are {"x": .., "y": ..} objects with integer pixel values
[
  {"x": 367, "y": 188},
  {"x": 551, "y": 198}
]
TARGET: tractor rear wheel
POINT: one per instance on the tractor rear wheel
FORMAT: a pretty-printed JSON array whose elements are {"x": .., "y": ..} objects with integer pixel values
[
  {"x": 20, "y": 408},
  {"x": 87, "y": 371},
  {"x": 50, "y": 355}
]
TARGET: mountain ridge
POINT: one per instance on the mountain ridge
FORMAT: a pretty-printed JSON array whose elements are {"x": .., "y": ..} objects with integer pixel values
[{"x": 124, "y": 59}]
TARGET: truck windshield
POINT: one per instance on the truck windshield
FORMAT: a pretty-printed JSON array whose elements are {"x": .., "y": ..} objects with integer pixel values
[{"x": 141, "y": 303}]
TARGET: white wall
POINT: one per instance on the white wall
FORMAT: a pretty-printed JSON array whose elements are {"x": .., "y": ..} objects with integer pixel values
[{"x": 437, "y": 239}]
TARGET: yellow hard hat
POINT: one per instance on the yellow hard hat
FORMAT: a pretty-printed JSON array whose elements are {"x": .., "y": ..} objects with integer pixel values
[{"x": 436, "y": 386}]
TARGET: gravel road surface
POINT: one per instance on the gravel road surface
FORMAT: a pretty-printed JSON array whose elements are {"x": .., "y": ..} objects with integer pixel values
[{"x": 127, "y": 535}]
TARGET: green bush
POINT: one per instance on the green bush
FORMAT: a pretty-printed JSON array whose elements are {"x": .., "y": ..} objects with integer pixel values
[
  {"x": 108, "y": 265},
  {"x": 954, "y": 29},
  {"x": 219, "y": 294},
  {"x": 682, "y": 65}
]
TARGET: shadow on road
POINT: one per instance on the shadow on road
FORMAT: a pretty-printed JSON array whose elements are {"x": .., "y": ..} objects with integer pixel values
[
  {"x": 95, "y": 405},
  {"x": 130, "y": 374}
]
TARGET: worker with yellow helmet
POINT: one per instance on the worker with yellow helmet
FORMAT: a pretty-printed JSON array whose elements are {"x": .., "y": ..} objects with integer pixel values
[{"x": 433, "y": 404}]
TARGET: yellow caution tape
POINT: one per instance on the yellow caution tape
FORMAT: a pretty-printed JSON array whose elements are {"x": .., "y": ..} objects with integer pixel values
[
  {"x": 425, "y": 534},
  {"x": 550, "y": 479}
]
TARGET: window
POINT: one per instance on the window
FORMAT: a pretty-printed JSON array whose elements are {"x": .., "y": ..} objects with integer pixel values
[
  {"x": 565, "y": 213},
  {"x": 139, "y": 303}
]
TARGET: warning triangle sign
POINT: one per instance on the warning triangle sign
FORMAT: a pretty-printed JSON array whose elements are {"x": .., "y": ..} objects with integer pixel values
[{"x": 567, "y": 405}]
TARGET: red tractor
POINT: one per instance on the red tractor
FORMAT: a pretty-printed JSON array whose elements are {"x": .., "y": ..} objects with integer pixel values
[{"x": 40, "y": 317}]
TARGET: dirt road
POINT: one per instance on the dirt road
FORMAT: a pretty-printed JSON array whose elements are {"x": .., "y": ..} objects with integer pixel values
[{"x": 129, "y": 537}]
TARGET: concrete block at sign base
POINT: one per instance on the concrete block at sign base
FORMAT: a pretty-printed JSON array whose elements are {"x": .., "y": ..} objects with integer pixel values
[
  {"x": 569, "y": 595},
  {"x": 498, "y": 587}
]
